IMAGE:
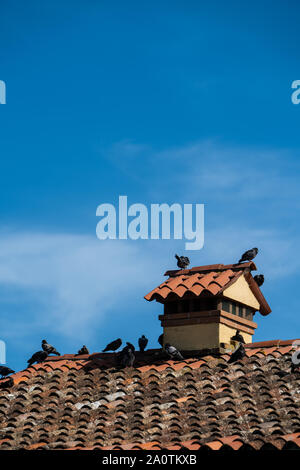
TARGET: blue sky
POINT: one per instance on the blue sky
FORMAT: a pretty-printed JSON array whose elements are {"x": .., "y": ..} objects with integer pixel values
[{"x": 186, "y": 102}]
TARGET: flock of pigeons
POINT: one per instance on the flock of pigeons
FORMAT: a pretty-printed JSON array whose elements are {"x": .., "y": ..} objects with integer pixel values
[{"x": 126, "y": 357}]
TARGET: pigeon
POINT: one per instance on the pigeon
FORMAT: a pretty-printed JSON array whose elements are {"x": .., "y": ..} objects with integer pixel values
[
  {"x": 238, "y": 337},
  {"x": 39, "y": 356},
  {"x": 143, "y": 341},
  {"x": 5, "y": 371},
  {"x": 113, "y": 346},
  {"x": 161, "y": 340},
  {"x": 295, "y": 368},
  {"x": 182, "y": 261},
  {"x": 282, "y": 373},
  {"x": 259, "y": 279},
  {"x": 238, "y": 354},
  {"x": 83, "y": 350},
  {"x": 249, "y": 255},
  {"x": 49, "y": 349},
  {"x": 9, "y": 382},
  {"x": 127, "y": 357},
  {"x": 172, "y": 352}
]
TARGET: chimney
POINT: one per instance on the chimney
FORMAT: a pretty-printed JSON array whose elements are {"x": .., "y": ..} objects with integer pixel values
[{"x": 204, "y": 306}]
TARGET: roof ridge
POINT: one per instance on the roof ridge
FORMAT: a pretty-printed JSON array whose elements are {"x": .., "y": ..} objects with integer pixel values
[
  {"x": 212, "y": 267},
  {"x": 84, "y": 359}
]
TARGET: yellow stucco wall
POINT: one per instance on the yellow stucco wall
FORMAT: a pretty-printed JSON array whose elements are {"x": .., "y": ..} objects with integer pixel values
[
  {"x": 202, "y": 336},
  {"x": 241, "y": 292},
  {"x": 226, "y": 332},
  {"x": 191, "y": 337}
]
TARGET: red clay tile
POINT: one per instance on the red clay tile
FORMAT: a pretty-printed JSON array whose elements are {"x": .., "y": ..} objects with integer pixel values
[
  {"x": 155, "y": 402},
  {"x": 213, "y": 278}
]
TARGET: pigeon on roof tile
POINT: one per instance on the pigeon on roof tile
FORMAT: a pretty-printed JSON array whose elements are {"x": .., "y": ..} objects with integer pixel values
[
  {"x": 172, "y": 352},
  {"x": 128, "y": 346},
  {"x": 9, "y": 382},
  {"x": 113, "y": 346},
  {"x": 49, "y": 349},
  {"x": 127, "y": 357},
  {"x": 182, "y": 261},
  {"x": 39, "y": 356},
  {"x": 143, "y": 341},
  {"x": 161, "y": 340},
  {"x": 249, "y": 255},
  {"x": 83, "y": 350},
  {"x": 259, "y": 279},
  {"x": 238, "y": 337},
  {"x": 5, "y": 371},
  {"x": 237, "y": 354}
]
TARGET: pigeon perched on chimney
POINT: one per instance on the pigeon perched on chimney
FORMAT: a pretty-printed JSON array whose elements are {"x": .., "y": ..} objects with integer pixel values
[
  {"x": 39, "y": 356},
  {"x": 161, "y": 340},
  {"x": 238, "y": 354},
  {"x": 83, "y": 350},
  {"x": 49, "y": 349},
  {"x": 249, "y": 255},
  {"x": 182, "y": 261},
  {"x": 143, "y": 341},
  {"x": 113, "y": 346},
  {"x": 259, "y": 279},
  {"x": 238, "y": 337},
  {"x": 5, "y": 371},
  {"x": 172, "y": 352}
]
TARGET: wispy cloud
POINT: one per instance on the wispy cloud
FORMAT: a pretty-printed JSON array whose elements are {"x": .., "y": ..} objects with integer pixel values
[
  {"x": 214, "y": 169},
  {"x": 73, "y": 283},
  {"x": 75, "y": 279}
]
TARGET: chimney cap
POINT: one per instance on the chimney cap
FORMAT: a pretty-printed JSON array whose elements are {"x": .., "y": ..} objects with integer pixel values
[
  {"x": 214, "y": 278},
  {"x": 249, "y": 266}
]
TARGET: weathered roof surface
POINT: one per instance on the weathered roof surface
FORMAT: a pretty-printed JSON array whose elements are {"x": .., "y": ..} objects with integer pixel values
[
  {"x": 214, "y": 278},
  {"x": 86, "y": 402}
]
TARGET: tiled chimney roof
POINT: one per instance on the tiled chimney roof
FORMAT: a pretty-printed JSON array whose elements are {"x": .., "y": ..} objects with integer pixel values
[
  {"x": 214, "y": 278},
  {"x": 86, "y": 402}
]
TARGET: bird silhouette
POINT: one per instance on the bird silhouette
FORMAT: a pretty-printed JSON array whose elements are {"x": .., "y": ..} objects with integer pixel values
[
  {"x": 172, "y": 352},
  {"x": 128, "y": 346},
  {"x": 249, "y": 255},
  {"x": 143, "y": 341},
  {"x": 238, "y": 337},
  {"x": 8, "y": 383},
  {"x": 259, "y": 279},
  {"x": 5, "y": 371},
  {"x": 127, "y": 357},
  {"x": 39, "y": 356},
  {"x": 83, "y": 350},
  {"x": 238, "y": 354},
  {"x": 182, "y": 261},
  {"x": 49, "y": 349},
  {"x": 113, "y": 346},
  {"x": 161, "y": 340}
]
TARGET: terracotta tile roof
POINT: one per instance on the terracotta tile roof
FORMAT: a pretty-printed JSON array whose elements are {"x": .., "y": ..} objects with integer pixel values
[
  {"x": 214, "y": 278},
  {"x": 201, "y": 403}
]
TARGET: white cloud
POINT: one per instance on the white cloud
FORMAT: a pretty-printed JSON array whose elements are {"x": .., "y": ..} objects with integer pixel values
[
  {"x": 76, "y": 279},
  {"x": 211, "y": 168}
]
